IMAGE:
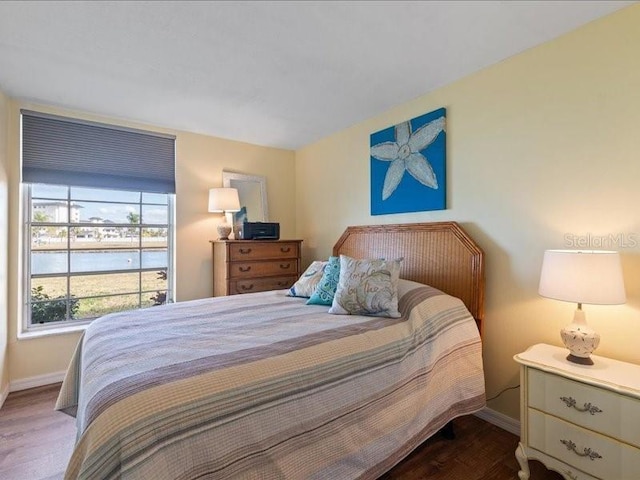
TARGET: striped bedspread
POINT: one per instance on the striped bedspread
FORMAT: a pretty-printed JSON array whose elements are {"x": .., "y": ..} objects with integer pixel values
[{"x": 262, "y": 386}]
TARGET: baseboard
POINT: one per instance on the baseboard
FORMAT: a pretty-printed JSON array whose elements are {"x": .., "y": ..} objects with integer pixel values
[
  {"x": 500, "y": 420},
  {"x": 37, "y": 381},
  {"x": 4, "y": 394}
]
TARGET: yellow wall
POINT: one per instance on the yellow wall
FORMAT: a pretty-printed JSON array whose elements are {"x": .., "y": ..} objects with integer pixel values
[
  {"x": 542, "y": 145},
  {"x": 199, "y": 163},
  {"x": 4, "y": 210},
  {"x": 201, "y": 160}
]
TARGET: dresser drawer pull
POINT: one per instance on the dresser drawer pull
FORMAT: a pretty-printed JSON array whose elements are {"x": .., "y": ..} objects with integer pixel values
[
  {"x": 285, "y": 266},
  {"x": 586, "y": 452},
  {"x": 285, "y": 249},
  {"x": 247, "y": 287},
  {"x": 244, "y": 251},
  {"x": 244, "y": 269},
  {"x": 571, "y": 403},
  {"x": 570, "y": 474}
]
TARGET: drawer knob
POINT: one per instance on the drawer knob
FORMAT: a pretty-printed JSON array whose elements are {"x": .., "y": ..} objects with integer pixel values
[
  {"x": 285, "y": 266},
  {"x": 247, "y": 287},
  {"x": 245, "y": 251},
  {"x": 285, "y": 249},
  {"x": 586, "y": 452},
  {"x": 244, "y": 269},
  {"x": 571, "y": 403}
]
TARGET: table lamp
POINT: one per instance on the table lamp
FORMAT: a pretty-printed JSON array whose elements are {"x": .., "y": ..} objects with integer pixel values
[
  {"x": 582, "y": 276},
  {"x": 224, "y": 200}
]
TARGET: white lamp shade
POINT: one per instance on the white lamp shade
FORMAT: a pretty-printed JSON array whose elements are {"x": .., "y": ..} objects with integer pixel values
[
  {"x": 223, "y": 200},
  {"x": 582, "y": 276}
]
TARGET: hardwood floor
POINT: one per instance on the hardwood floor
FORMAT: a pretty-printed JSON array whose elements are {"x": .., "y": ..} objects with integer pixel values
[
  {"x": 36, "y": 443},
  {"x": 36, "y": 440}
]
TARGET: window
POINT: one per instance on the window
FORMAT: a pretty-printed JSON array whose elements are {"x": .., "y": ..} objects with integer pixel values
[
  {"x": 93, "y": 252},
  {"x": 102, "y": 240}
]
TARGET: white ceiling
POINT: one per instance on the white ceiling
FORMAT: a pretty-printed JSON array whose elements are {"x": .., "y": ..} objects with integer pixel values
[{"x": 271, "y": 73}]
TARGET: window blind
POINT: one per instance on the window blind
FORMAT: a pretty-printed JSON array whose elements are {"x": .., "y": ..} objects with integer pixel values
[{"x": 67, "y": 151}]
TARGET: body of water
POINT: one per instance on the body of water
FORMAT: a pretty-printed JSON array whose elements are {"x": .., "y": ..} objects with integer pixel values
[{"x": 56, "y": 262}]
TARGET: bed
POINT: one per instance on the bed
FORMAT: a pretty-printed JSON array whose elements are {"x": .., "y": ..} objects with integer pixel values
[{"x": 263, "y": 386}]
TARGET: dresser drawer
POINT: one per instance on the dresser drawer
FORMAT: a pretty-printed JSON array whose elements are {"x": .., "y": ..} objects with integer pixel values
[
  {"x": 595, "y": 454},
  {"x": 262, "y": 269},
  {"x": 262, "y": 251},
  {"x": 243, "y": 266},
  {"x": 261, "y": 284},
  {"x": 600, "y": 410}
]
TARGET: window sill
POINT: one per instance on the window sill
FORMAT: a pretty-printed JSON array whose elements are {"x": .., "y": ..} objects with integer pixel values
[{"x": 50, "y": 331}]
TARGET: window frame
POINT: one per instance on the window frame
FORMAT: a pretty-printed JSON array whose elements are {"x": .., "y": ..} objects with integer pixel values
[{"x": 78, "y": 324}]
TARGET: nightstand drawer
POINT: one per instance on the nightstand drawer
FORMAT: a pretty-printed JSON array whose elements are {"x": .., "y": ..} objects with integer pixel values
[
  {"x": 261, "y": 284},
  {"x": 591, "y": 407},
  {"x": 590, "y": 452},
  {"x": 262, "y": 251},
  {"x": 262, "y": 269}
]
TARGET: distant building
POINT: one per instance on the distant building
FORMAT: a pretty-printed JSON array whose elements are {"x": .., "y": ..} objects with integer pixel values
[
  {"x": 57, "y": 211},
  {"x": 106, "y": 230}
]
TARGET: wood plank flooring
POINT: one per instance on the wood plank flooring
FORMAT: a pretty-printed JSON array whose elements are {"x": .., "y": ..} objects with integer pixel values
[{"x": 36, "y": 443}]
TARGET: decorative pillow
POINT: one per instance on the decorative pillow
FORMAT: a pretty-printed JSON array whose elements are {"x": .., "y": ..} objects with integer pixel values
[
  {"x": 367, "y": 287},
  {"x": 326, "y": 289},
  {"x": 308, "y": 281}
]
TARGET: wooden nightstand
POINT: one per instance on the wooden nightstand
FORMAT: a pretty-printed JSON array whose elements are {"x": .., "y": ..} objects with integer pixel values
[
  {"x": 247, "y": 266},
  {"x": 582, "y": 421}
]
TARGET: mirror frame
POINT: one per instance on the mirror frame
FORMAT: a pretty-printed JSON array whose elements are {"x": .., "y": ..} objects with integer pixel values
[{"x": 228, "y": 177}]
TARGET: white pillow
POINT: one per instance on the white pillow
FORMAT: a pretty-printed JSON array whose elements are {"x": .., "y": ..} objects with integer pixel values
[
  {"x": 308, "y": 281},
  {"x": 367, "y": 287}
]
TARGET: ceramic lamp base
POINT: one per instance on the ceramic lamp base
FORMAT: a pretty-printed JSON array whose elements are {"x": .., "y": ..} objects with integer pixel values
[
  {"x": 224, "y": 230},
  {"x": 579, "y": 360},
  {"x": 580, "y": 339}
]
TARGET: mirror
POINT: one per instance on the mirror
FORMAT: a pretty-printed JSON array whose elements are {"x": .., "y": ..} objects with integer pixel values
[{"x": 252, "y": 191}]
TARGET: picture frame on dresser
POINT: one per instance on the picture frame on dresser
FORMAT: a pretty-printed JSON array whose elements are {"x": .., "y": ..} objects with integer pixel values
[{"x": 579, "y": 420}]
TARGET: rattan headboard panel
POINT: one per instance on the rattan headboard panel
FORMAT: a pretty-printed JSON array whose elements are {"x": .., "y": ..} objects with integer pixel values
[{"x": 440, "y": 254}]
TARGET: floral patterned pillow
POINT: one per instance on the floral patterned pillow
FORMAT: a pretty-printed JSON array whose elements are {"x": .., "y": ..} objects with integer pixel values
[
  {"x": 367, "y": 287},
  {"x": 308, "y": 281},
  {"x": 326, "y": 289}
]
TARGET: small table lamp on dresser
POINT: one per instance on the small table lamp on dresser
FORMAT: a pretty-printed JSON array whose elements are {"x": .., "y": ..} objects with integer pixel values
[
  {"x": 226, "y": 201},
  {"x": 582, "y": 276}
]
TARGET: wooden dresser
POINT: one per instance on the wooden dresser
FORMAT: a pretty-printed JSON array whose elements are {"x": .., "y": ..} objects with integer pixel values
[
  {"x": 582, "y": 421},
  {"x": 246, "y": 266}
]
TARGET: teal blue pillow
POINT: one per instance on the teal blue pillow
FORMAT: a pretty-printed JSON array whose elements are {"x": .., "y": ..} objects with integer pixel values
[{"x": 326, "y": 289}]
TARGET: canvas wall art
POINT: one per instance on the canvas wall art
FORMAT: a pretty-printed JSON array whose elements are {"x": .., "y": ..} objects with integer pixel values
[{"x": 408, "y": 166}]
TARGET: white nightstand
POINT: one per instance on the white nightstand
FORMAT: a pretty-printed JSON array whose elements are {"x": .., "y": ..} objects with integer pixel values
[{"x": 582, "y": 421}]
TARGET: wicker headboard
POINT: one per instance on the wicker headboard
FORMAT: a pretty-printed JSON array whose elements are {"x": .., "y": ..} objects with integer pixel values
[{"x": 440, "y": 254}]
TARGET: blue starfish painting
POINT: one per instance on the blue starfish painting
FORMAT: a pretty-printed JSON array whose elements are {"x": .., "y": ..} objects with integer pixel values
[{"x": 408, "y": 163}]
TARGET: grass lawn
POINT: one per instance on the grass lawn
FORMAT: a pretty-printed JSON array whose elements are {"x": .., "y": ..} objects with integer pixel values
[{"x": 103, "y": 284}]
